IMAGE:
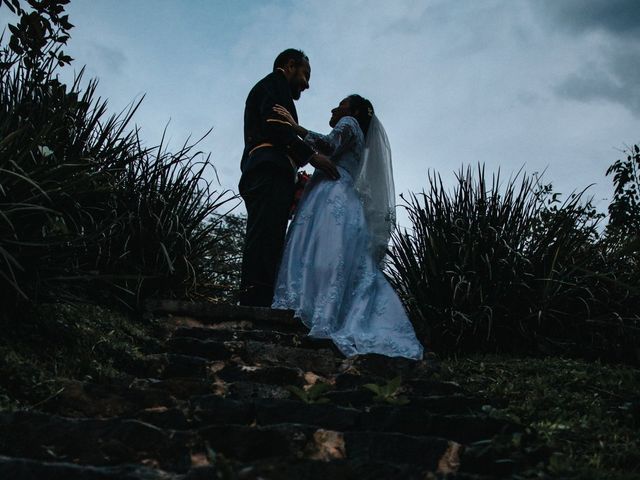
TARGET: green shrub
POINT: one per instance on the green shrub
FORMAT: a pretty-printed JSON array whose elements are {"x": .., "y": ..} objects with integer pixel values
[
  {"x": 622, "y": 241},
  {"x": 492, "y": 268},
  {"x": 85, "y": 209},
  {"x": 624, "y": 209},
  {"x": 221, "y": 263}
]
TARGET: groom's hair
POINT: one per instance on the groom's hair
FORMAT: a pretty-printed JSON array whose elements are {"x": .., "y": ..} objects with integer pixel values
[
  {"x": 298, "y": 56},
  {"x": 362, "y": 111}
]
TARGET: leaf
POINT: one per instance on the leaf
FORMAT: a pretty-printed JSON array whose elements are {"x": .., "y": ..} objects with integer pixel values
[
  {"x": 394, "y": 384},
  {"x": 14, "y": 44},
  {"x": 312, "y": 395},
  {"x": 373, "y": 387},
  {"x": 317, "y": 390},
  {"x": 298, "y": 392},
  {"x": 45, "y": 151},
  {"x": 62, "y": 58},
  {"x": 9, "y": 6},
  {"x": 13, "y": 5},
  {"x": 6, "y": 140}
]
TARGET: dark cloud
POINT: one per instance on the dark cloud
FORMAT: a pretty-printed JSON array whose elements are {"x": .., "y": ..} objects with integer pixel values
[
  {"x": 615, "y": 17},
  {"x": 612, "y": 72},
  {"x": 112, "y": 59},
  {"x": 617, "y": 82}
]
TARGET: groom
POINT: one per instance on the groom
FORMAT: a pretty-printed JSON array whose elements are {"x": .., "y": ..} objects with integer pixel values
[{"x": 272, "y": 154}]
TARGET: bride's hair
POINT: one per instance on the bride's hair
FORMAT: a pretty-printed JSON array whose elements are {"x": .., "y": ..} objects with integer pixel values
[{"x": 362, "y": 111}]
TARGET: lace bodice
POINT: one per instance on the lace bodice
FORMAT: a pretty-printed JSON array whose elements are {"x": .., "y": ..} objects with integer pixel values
[{"x": 344, "y": 144}]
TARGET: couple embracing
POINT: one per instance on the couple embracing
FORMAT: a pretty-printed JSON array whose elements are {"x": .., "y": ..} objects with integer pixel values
[{"x": 326, "y": 267}]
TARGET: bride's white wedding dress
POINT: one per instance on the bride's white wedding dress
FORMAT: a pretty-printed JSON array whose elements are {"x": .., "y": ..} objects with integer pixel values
[{"x": 328, "y": 274}]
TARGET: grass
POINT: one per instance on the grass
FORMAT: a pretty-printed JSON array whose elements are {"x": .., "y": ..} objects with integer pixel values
[
  {"x": 53, "y": 342},
  {"x": 586, "y": 413}
]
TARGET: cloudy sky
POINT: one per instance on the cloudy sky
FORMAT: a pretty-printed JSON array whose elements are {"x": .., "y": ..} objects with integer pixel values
[{"x": 544, "y": 84}]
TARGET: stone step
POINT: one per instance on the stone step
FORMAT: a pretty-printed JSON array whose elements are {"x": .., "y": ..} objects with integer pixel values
[
  {"x": 88, "y": 399},
  {"x": 116, "y": 441},
  {"x": 211, "y": 313},
  {"x": 169, "y": 365},
  {"x": 321, "y": 361},
  {"x": 416, "y": 386},
  {"x": 253, "y": 390},
  {"x": 272, "y": 375},
  {"x": 250, "y": 385},
  {"x": 166, "y": 418},
  {"x": 247, "y": 443},
  {"x": 91, "y": 441},
  {"x": 201, "y": 408},
  {"x": 246, "y": 390},
  {"x": 212, "y": 410},
  {"x": 267, "y": 336},
  {"x": 212, "y": 344},
  {"x": 222, "y": 384},
  {"x": 236, "y": 381},
  {"x": 209, "y": 349},
  {"x": 28, "y": 469},
  {"x": 443, "y": 404},
  {"x": 408, "y": 420},
  {"x": 272, "y": 469},
  {"x": 178, "y": 387},
  {"x": 288, "y": 469}
]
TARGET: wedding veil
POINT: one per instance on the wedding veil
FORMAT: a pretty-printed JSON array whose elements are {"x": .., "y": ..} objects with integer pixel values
[{"x": 374, "y": 184}]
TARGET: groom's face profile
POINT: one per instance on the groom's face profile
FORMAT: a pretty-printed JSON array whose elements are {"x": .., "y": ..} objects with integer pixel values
[{"x": 299, "y": 76}]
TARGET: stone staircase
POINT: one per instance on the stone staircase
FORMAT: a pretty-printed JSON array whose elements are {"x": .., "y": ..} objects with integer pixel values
[{"x": 242, "y": 393}]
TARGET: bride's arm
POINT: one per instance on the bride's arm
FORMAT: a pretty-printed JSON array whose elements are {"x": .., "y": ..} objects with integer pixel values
[
  {"x": 317, "y": 141},
  {"x": 283, "y": 112},
  {"x": 333, "y": 143}
]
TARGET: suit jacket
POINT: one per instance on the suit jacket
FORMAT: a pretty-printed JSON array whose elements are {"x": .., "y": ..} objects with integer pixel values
[{"x": 263, "y": 126}]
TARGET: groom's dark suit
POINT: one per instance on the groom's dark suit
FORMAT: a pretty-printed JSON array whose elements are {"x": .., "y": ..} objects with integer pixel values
[{"x": 271, "y": 156}]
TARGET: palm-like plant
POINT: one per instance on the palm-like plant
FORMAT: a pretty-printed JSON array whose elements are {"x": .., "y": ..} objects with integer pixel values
[
  {"x": 83, "y": 203},
  {"x": 487, "y": 267}
]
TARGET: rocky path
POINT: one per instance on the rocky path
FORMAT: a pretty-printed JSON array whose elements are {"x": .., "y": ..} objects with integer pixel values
[{"x": 243, "y": 393}]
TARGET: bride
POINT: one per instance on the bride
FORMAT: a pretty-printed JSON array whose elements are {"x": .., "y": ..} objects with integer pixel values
[{"x": 330, "y": 274}]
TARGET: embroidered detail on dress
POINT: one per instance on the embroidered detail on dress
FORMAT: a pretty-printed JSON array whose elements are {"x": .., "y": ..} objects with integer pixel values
[{"x": 338, "y": 209}]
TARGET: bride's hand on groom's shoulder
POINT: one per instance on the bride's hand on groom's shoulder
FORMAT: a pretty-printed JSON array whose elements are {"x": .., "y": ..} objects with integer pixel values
[
  {"x": 286, "y": 115},
  {"x": 324, "y": 164},
  {"x": 283, "y": 112}
]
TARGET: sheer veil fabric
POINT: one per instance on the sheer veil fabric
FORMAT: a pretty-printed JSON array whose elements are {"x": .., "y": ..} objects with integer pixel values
[{"x": 374, "y": 184}]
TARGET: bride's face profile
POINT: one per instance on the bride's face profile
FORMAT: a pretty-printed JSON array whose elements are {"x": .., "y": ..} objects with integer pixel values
[{"x": 342, "y": 110}]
